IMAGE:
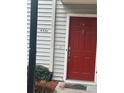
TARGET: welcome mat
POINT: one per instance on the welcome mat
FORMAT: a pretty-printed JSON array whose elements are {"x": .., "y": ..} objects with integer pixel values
[{"x": 75, "y": 86}]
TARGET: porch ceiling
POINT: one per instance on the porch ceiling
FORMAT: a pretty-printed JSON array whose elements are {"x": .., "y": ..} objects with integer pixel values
[{"x": 79, "y": 1}]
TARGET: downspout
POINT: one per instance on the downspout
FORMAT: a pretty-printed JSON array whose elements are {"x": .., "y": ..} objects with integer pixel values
[
  {"x": 51, "y": 67},
  {"x": 32, "y": 51}
]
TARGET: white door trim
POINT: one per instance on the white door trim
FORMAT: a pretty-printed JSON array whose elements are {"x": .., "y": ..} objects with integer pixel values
[{"x": 66, "y": 50}]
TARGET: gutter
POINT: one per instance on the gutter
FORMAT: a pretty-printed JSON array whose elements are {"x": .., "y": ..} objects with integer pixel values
[{"x": 51, "y": 67}]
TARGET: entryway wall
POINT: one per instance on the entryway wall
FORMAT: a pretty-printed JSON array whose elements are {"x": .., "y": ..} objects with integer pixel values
[
  {"x": 44, "y": 32},
  {"x": 61, "y": 30}
]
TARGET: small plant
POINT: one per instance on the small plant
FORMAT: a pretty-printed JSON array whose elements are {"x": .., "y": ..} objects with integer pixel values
[{"x": 41, "y": 73}]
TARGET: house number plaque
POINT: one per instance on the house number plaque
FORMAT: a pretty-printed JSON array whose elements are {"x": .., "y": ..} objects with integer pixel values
[{"x": 44, "y": 30}]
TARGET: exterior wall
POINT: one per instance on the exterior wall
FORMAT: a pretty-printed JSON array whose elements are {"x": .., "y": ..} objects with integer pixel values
[
  {"x": 43, "y": 31},
  {"x": 60, "y": 32},
  {"x": 44, "y": 38}
]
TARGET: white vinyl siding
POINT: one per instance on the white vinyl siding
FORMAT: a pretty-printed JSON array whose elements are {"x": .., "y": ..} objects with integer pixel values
[{"x": 43, "y": 38}]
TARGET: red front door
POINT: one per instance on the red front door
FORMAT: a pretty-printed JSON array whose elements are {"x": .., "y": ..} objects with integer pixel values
[{"x": 82, "y": 48}]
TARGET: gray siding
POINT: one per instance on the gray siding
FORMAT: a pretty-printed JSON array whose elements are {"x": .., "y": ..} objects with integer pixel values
[
  {"x": 60, "y": 33},
  {"x": 43, "y": 37}
]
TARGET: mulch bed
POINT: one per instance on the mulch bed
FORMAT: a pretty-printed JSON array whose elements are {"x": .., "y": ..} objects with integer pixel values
[{"x": 45, "y": 86}]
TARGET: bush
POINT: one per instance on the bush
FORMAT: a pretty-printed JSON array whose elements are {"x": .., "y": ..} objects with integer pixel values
[{"x": 41, "y": 73}]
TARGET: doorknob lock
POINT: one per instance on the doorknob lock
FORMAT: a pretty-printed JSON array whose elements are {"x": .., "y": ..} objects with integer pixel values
[
  {"x": 69, "y": 53},
  {"x": 82, "y": 31},
  {"x": 69, "y": 48}
]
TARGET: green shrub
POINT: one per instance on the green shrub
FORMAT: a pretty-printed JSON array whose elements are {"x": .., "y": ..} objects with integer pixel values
[{"x": 41, "y": 73}]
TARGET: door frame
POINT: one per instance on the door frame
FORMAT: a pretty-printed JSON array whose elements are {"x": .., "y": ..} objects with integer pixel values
[{"x": 66, "y": 51}]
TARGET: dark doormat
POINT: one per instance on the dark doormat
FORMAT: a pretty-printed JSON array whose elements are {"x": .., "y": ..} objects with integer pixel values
[{"x": 75, "y": 86}]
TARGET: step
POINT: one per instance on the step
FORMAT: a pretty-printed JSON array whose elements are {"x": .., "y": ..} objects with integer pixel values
[
  {"x": 68, "y": 90},
  {"x": 74, "y": 88}
]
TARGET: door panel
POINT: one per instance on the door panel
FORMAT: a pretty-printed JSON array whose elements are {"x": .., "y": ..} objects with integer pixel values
[{"x": 82, "y": 48}]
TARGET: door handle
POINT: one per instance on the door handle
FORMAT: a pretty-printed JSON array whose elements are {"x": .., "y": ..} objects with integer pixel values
[
  {"x": 69, "y": 51},
  {"x": 83, "y": 31}
]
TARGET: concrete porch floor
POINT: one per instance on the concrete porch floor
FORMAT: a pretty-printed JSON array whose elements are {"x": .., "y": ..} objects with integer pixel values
[{"x": 60, "y": 89}]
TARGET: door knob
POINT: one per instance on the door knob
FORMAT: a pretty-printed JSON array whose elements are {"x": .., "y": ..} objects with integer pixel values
[
  {"x": 82, "y": 31},
  {"x": 83, "y": 24},
  {"x": 69, "y": 53},
  {"x": 69, "y": 48}
]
